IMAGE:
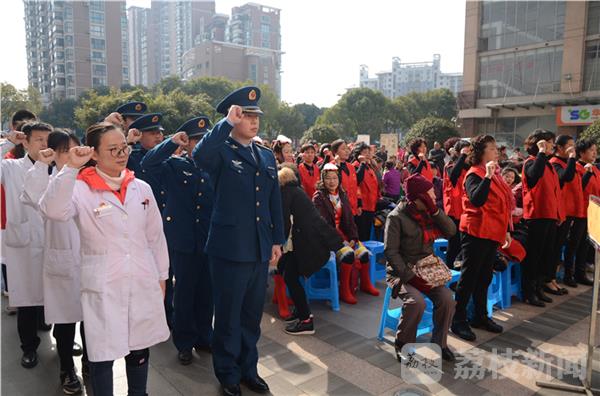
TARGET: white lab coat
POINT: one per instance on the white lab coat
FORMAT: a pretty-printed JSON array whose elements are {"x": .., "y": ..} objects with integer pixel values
[
  {"x": 123, "y": 257},
  {"x": 62, "y": 261},
  {"x": 24, "y": 235}
]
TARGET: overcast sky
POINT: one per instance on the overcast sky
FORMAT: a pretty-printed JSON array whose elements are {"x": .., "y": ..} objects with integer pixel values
[{"x": 325, "y": 41}]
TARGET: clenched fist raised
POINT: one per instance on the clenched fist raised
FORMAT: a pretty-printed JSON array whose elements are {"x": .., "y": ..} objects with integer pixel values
[
  {"x": 180, "y": 139},
  {"x": 16, "y": 137},
  {"x": 235, "y": 114},
  {"x": 47, "y": 156},
  {"x": 79, "y": 156},
  {"x": 133, "y": 136}
]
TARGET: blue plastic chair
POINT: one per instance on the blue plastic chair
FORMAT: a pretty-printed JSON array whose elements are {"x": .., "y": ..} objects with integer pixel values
[
  {"x": 440, "y": 248},
  {"x": 391, "y": 317},
  {"x": 494, "y": 296},
  {"x": 376, "y": 269},
  {"x": 323, "y": 285},
  {"x": 511, "y": 284}
]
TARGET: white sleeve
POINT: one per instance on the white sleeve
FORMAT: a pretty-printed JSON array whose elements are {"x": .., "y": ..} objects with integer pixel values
[
  {"x": 57, "y": 201},
  {"x": 35, "y": 183},
  {"x": 5, "y": 146},
  {"x": 156, "y": 238}
]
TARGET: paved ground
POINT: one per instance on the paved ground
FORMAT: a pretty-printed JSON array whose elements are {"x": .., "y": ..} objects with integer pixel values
[{"x": 345, "y": 357}]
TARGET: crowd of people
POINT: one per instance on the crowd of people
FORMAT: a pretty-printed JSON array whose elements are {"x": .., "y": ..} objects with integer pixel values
[{"x": 140, "y": 234}]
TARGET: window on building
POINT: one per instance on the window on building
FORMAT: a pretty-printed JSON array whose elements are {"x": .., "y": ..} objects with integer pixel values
[
  {"x": 506, "y": 24},
  {"x": 253, "y": 74},
  {"x": 265, "y": 19},
  {"x": 591, "y": 72},
  {"x": 98, "y": 56},
  {"x": 593, "y": 21},
  {"x": 69, "y": 54},
  {"x": 97, "y": 17},
  {"x": 59, "y": 42},
  {"x": 98, "y": 82},
  {"x": 60, "y": 68},
  {"x": 98, "y": 44},
  {"x": 70, "y": 67},
  {"x": 99, "y": 70},
  {"x": 265, "y": 28},
  {"x": 97, "y": 30},
  {"x": 522, "y": 73},
  {"x": 96, "y": 5},
  {"x": 69, "y": 41}
]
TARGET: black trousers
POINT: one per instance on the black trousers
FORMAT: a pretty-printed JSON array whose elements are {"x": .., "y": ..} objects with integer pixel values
[
  {"x": 364, "y": 223},
  {"x": 28, "y": 320},
  {"x": 64, "y": 333},
  {"x": 577, "y": 248},
  {"x": 562, "y": 231},
  {"x": 454, "y": 246},
  {"x": 540, "y": 259},
  {"x": 475, "y": 276},
  {"x": 291, "y": 276}
]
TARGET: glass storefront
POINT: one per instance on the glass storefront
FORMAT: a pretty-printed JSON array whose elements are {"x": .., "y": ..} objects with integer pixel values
[
  {"x": 591, "y": 73},
  {"x": 512, "y": 131},
  {"x": 507, "y": 24}
]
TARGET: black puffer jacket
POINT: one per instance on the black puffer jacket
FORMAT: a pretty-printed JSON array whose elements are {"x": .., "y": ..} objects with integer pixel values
[{"x": 312, "y": 238}]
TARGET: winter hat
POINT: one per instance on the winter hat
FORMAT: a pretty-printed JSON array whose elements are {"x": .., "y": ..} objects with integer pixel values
[{"x": 417, "y": 185}]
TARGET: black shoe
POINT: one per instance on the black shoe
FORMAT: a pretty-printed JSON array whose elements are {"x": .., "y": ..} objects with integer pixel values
[
  {"x": 44, "y": 327},
  {"x": 301, "y": 327},
  {"x": 398, "y": 348},
  {"x": 556, "y": 292},
  {"x": 29, "y": 360},
  {"x": 487, "y": 324},
  {"x": 256, "y": 385},
  {"x": 231, "y": 390},
  {"x": 532, "y": 299},
  {"x": 77, "y": 349},
  {"x": 202, "y": 348},
  {"x": 462, "y": 330},
  {"x": 70, "y": 382},
  {"x": 292, "y": 318},
  {"x": 540, "y": 294},
  {"x": 448, "y": 355},
  {"x": 185, "y": 357},
  {"x": 569, "y": 281},
  {"x": 584, "y": 279}
]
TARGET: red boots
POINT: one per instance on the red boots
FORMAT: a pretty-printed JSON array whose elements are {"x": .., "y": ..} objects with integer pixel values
[
  {"x": 280, "y": 297},
  {"x": 365, "y": 280},
  {"x": 346, "y": 294}
]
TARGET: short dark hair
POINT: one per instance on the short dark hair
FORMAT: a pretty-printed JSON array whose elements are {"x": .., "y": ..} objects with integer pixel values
[
  {"x": 389, "y": 165},
  {"x": 60, "y": 140},
  {"x": 415, "y": 144},
  {"x": 335, "y": 145},
  {"x": 479, "y": 143},
  {"x": 322, "y": 149},
  {"x": 562, "y": 140},
  {"x": 22, "y": 115},
  {"x": 448, "y": 144},
  {"x": 307, "y": 146},
  {"x": 535, "y": 137},
  {"x": 583, "y": 145},
  {"x": 31, "y": 126}
]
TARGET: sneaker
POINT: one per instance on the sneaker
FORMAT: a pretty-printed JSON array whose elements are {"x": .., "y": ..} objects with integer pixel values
[
  {"x": 70, "y": 382},
  {"x": 301, "y": 327},
  {"x": 292, "y": 318}
]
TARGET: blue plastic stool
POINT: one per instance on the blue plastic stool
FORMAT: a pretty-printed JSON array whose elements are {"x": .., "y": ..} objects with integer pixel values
[
  {"x": 440, "y": 248},
  {"x": 511, "y": 284},
  {"x": 323, "y": 285},
  {"x": 391, "y": 317},
  {"x": 376, "y": 269},
  {"x": 494, "y": 296}
]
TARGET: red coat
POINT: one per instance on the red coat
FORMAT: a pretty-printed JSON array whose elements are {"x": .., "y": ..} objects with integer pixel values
[
  {"x": 426, "y": 172},
  {"x": 2, "y": 208},
  {"x": 492, "y": 219},
  {"x": 309, "y": 183},
  {"x": 369, "y": 189},
  {"x": 572, "y": 193},
  {"x": 350, "y": 186},
  {"x": 544, "y": 200},
  {"x": 593, "y": 186},
  {"x": 453, "y": 194}
]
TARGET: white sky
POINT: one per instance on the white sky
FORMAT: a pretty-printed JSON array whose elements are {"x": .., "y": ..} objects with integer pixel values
[{"x": 325, "y": 41}]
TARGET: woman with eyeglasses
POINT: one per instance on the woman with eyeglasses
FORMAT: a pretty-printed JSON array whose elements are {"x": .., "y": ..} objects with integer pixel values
[
  {"x": 61, "y": 262},
  {"x": 124, "y": 259}
]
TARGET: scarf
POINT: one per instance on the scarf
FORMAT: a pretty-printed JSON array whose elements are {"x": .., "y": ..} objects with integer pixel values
[
  {"x": 113, "y": 182},
  {"x": 430, "y": 230}
]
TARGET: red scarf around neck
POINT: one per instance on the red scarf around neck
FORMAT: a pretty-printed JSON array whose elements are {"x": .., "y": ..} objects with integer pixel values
[{"x": 430, "y": 230}]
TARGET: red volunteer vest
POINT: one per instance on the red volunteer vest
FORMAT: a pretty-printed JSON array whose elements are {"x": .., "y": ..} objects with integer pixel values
[
  {"x": 544, "y": 200},
  {"x": 453, "y": 194},
  {"x": 572, "y": 193},
  {"x": 593, "y": 186},
  {"x": 425, "y": 171},
  {"x": 369, "y": 189},
  {"x": 489, "y": 221},
  {"x": 309, "y": 182},
  {"x": 350, "y": 185}
]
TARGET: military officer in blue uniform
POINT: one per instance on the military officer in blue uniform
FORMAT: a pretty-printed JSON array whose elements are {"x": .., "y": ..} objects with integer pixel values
[
  {"x": 246, "y": 234},
  {"x": 126, "y": 114},
  {"x": 186, "y": 219}
]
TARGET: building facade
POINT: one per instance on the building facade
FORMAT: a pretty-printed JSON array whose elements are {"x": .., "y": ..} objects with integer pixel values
[
  {"x": 410, "y": 77},
  {"x": 528, "y": 65},
  {"x": 73, "y": 46}
]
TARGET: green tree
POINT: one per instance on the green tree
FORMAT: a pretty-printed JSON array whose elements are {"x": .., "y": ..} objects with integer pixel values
[
  {"x": 321, "y": 133},
  {"x": 592, "y": 132},
  {"x": 60, "y": 113},
  {"x": 215, "y": 88},
  {"x": 432, "y": 129},
  {"x": 12, "y": 99},
  {"x": 289, "y": 121},
  {"x": 439, "y": 103},
  {"x": 168, "y": 84},
  {"x": 310, "y": 112},
  {"x": 359, "y": 111}
]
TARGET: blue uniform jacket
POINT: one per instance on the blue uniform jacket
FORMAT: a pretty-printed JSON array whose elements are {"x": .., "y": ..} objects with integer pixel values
[
  {"x": 247, "y": 219},
  {"x": 133, "y": 164},
  {"x": 188, "y": 207}
]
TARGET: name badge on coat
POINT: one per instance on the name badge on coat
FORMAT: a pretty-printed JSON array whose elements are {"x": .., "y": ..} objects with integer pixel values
[{"x": 103, "y": 210}]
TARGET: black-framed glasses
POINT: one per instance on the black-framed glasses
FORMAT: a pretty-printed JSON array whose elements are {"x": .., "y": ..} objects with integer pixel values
[{"x": 117, "y": 152}]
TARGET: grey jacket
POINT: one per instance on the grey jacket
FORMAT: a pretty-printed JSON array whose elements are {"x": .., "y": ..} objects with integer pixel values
[{"x": 404, "y": 243}]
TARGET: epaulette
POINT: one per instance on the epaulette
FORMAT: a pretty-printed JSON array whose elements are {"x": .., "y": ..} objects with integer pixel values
[{"x": 262, "y": 146}]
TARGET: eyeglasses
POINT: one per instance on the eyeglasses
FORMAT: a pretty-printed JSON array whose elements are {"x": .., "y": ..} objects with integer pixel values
[{"x": 117, "y": 152}]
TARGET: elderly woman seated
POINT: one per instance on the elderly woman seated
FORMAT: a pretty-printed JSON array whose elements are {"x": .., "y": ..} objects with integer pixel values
[{"x": 410, "y": 231}]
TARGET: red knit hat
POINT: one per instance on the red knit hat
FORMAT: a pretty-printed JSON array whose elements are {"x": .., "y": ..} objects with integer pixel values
[{"x": 417, "y": 185}]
